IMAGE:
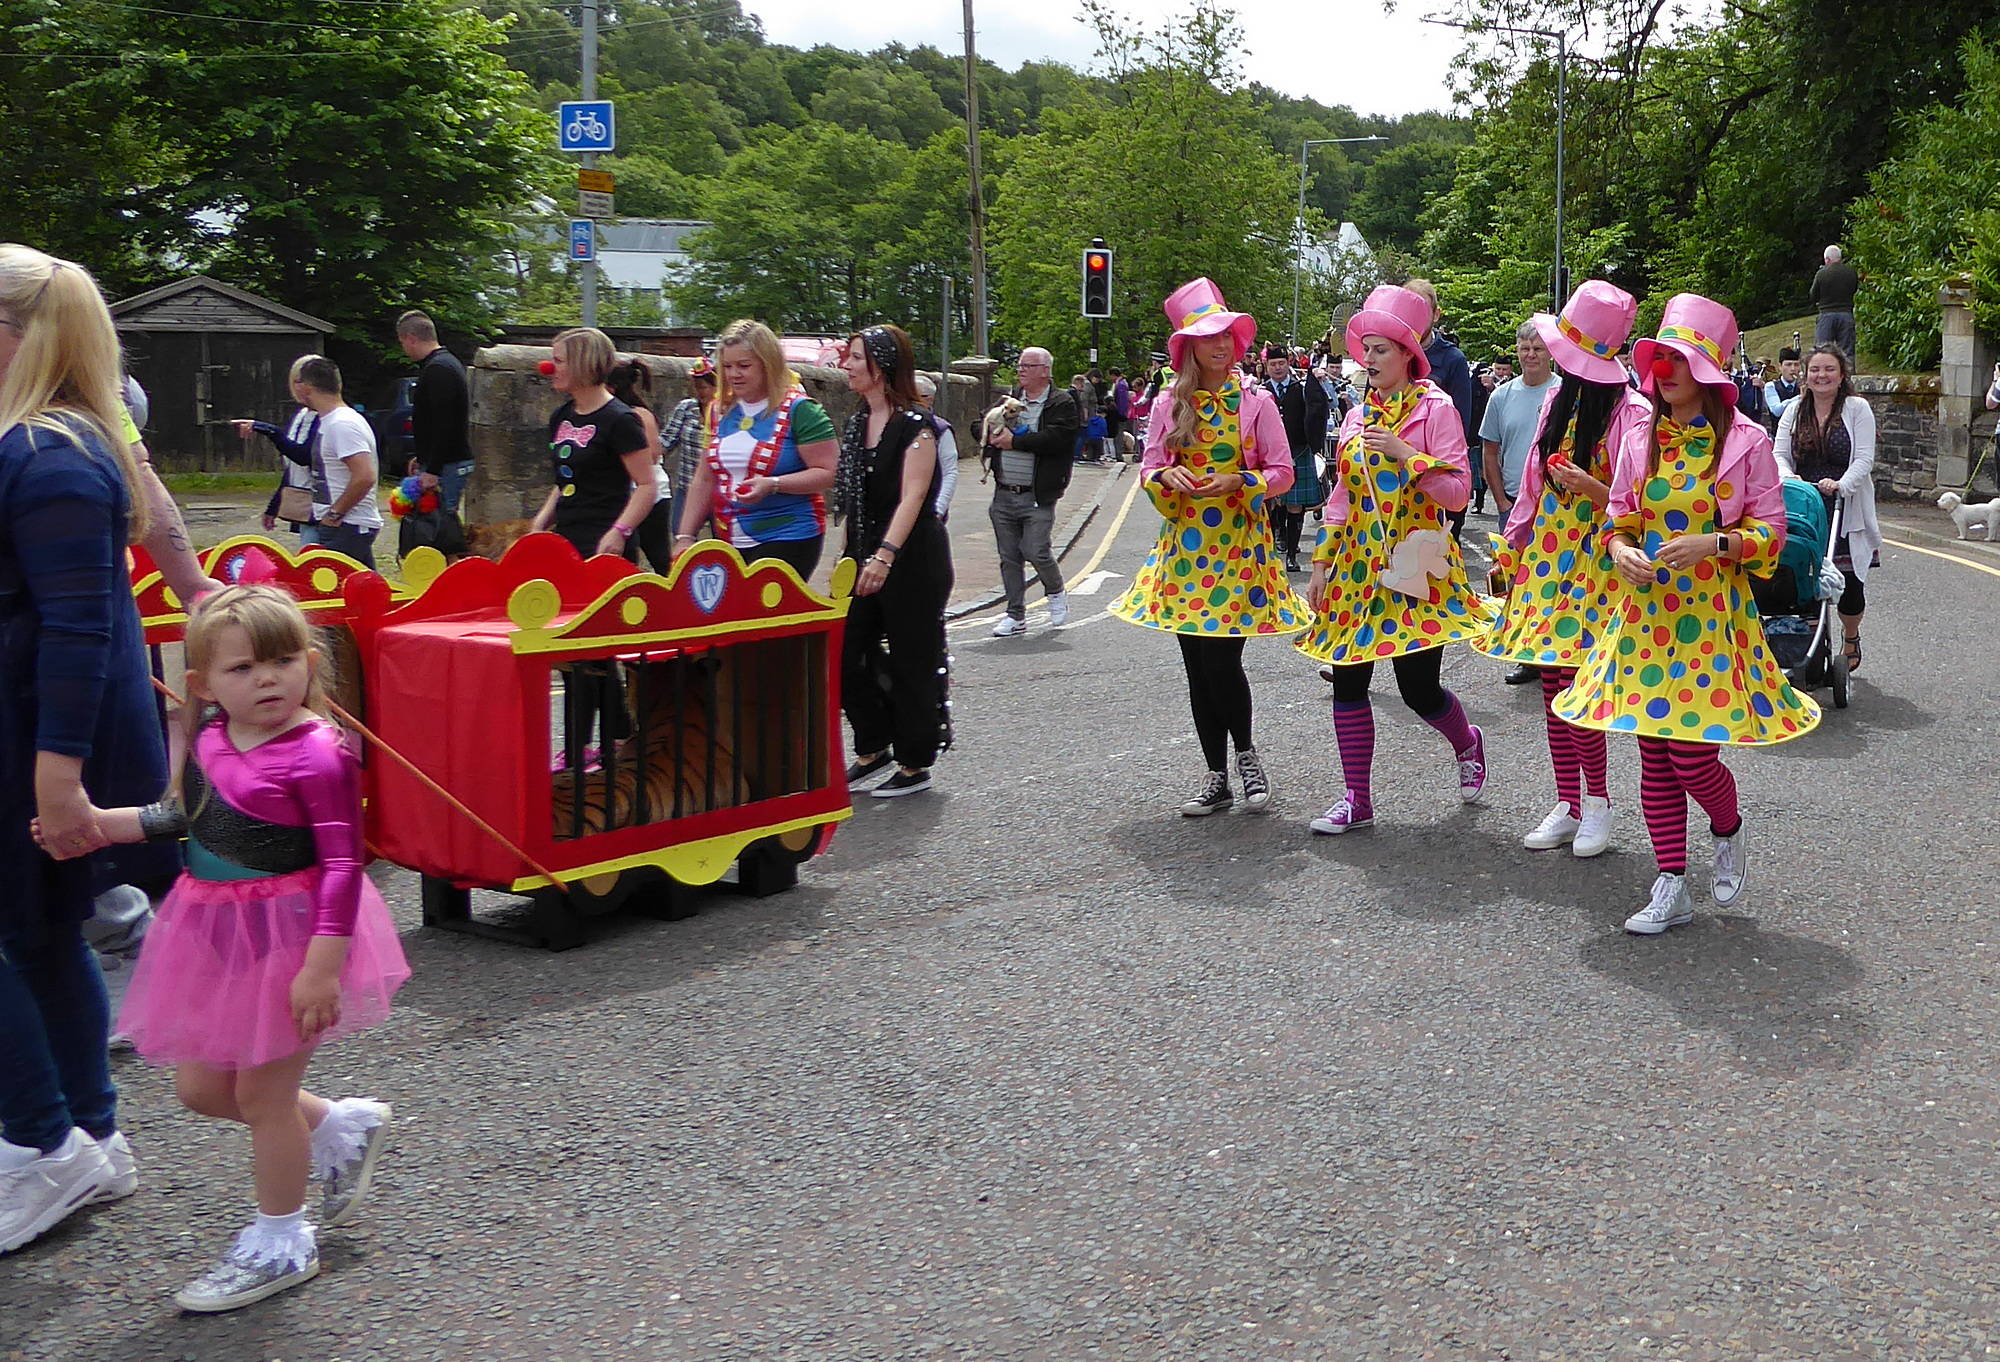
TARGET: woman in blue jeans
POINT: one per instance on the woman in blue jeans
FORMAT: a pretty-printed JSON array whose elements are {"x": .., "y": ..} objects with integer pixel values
[{"x": 77, "y": 728}]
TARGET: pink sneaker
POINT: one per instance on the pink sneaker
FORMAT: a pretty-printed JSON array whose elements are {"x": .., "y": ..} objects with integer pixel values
[
  {"x": 1346, "y": 814},
  {"x": 1472, "y": 768},
  {"x": 593, "y": 760}
]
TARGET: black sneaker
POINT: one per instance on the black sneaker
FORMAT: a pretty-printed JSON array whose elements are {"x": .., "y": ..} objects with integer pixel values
[
  {"x": 903, "y": 783},
  {"x": 1522, "y": 674},
  {"x": 1256, "y": 786},
  {"x": 858, "y": 773},
  {"x": 1214, "y": 797}
]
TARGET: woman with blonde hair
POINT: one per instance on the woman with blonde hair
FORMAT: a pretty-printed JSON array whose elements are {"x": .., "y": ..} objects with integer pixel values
[
  {"x": 80, "y": 730},
  {"x": 604, "y": 481},
  {"x": 770, "y": 460}
]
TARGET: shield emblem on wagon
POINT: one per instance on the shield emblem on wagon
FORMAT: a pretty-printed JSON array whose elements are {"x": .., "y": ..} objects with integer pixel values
[{"x": 707, "y": 583}]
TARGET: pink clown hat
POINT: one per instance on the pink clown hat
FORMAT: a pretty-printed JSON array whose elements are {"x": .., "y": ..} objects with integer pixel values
[
  {"x": 1400, "y": 315},
  {"x": 1196, "y": 309},
  {"x": 1697, "y": 328},
  {"x": 1586, "y": 338}
]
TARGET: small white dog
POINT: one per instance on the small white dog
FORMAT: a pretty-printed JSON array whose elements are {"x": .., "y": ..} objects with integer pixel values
[
  {"x": 1005, "y": 415},
  {"x": 1966, "y": 515}
]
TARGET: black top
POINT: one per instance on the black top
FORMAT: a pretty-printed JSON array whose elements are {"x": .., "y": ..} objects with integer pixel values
[
  {"x": 1833, "y": 288},
  {"x": 589, "y": 469},
  {"x": 1302, "y": 406},
  {"x": 1813, "y": 459},
  {"x": 880, "y": 478},
  {"x": 441, "y": 413}
]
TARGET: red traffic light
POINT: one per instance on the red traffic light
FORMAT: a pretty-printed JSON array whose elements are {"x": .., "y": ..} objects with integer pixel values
[{"x": 1095, "y": 261}]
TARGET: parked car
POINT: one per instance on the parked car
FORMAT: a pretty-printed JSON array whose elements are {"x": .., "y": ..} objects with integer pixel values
[{"x": 394, "y": 425}]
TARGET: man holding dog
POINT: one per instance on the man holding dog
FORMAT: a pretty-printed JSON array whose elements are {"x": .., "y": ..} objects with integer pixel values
[{"x": 1031, "y": 465}]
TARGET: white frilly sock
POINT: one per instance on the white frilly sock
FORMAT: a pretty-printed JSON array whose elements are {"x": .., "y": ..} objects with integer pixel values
[
  {"x": 286, "y": 1239},
  {"x": 339, "y": 1139}
]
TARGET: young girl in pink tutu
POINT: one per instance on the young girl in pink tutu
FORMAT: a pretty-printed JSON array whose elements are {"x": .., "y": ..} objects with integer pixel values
[{"x": 272, "y": 941}]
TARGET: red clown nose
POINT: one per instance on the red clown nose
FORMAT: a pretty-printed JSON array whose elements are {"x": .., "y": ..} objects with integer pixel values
[
  {"x": 546, "y": 367},
  {"x": 1663, "y": 368}
]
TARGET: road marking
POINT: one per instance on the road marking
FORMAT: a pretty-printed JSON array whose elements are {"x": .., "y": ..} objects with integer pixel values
[
  {"x": 1094, "y": 583},
  {"x": 1948, "y": 557},
  {"x": 1110, "y": 537}
]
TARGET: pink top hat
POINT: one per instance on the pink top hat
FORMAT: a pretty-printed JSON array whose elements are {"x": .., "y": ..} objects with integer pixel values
[
  {"x": 1698, "y": 328},
  {"x": 1400, "y": 315},
  {"x": 1196, "y": 309},
  {"x": 1585, "y": 339}
]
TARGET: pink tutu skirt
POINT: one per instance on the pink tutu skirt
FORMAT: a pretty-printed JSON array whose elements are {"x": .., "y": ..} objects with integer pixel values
[{"x": 214, "y": 980}]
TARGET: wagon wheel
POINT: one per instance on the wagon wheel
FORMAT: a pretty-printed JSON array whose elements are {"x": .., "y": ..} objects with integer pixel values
[{"x": 770, "y": 865}]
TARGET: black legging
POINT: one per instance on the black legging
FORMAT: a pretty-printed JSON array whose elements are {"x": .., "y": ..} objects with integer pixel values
[
  {"x": 802, "y": 554},
  {"x": 1219, "y": 693},
  {"x": 1417, "y": 677},
  {"x": 1853, "y": 598}
]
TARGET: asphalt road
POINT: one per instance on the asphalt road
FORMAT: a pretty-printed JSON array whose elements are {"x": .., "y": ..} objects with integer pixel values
[{"x": 1032, "y": 1068}]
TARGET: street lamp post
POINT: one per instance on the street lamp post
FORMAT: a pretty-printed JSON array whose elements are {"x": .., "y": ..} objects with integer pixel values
[
  {"x": 1560, "y": 279},
  {"x": 1299, "y": 222}
]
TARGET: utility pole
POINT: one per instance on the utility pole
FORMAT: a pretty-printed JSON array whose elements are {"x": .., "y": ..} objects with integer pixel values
[
  {"x": 944, "y": 339},
  {"x": 590, "y": 157},
  {"x": 976, "y": 195}
]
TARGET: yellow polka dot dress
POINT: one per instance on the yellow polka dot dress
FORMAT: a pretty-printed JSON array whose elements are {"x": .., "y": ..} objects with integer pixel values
[
  {"x": 1684, "y": 657},
  {"x": 1215, "y": 570},
  {"x": 1364, "y": 619}
]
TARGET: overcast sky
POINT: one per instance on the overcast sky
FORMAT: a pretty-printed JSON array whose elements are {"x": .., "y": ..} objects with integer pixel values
[{"x": 1309, "y": 48}]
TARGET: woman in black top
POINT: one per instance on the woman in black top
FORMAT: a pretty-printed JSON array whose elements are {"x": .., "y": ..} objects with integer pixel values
[
  {"x": 604, "y": 490},
  {"x": 603, "y": 466},
  {"x": 887, "y": 490}
]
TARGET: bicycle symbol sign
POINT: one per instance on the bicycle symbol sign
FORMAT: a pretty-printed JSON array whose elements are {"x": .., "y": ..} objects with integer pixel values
[{"x": 585, "y": 125}]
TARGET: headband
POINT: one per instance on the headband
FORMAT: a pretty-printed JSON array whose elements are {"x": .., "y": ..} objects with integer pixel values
[{"x": 880, "y": 343}]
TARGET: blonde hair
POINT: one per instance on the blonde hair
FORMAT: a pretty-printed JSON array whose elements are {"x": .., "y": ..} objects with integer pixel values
[
  {"x": 67, "y": 364},
  {"x": 274, "y": 623},
  {"x": 779, "y": 377},
  {"x": 589, "y": 352}
]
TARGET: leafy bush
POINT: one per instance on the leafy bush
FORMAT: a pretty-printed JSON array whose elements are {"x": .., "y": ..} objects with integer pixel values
[{"x": 1928, "y": 216}]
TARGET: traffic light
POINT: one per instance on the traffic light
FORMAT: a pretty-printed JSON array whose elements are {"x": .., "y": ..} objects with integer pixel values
[{"x": 1097, "y": 279}]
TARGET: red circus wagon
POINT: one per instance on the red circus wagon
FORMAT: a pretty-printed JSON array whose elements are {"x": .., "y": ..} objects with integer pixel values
[{"x": 716, "y": 689}]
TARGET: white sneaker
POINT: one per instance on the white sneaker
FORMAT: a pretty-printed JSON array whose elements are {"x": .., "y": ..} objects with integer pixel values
[
  {"x": 1670, "y": 907},
  {"x": 1556, "y": 830},
  {"x": 124, "y": 1179},
  {"x": 41, "y": 1194},
  {"x": 1594, "y": 832},
  {"x": 1008, "y": 627},
  {"x": 1731, "y": 853},
  {"x": 1058, "y": 609}
]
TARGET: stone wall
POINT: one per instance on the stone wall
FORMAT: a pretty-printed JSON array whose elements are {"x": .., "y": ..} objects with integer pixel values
[
  {"x": 1906, "y": 433},
  {"x": 512, "y": 403}
]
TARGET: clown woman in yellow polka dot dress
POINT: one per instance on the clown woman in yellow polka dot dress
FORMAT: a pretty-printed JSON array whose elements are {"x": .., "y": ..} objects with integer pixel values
[
  {"x": 1214, "y": 452},
  {"x": 1696, "y": 507},
  {"x": 1387, "y": 579}
]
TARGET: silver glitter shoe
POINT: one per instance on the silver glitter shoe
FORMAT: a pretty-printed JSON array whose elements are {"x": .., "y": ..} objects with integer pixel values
[
  {"x": 352, "y": 1160},
  {"x": 246, "y": 1274}
]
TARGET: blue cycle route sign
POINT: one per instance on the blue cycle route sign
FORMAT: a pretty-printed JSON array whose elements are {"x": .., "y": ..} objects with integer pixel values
[
  {"x": 585, "y": 125},
  {"x": 582, "y": 239}
]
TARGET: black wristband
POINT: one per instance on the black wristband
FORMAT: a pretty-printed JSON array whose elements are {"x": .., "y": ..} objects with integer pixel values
[
  {"x": 162, "y": 821},
  {"x": 885, "y": 544}
]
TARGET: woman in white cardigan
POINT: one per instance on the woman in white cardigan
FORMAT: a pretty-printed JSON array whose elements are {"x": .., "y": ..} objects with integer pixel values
[{"x": 1827, "y": 437}]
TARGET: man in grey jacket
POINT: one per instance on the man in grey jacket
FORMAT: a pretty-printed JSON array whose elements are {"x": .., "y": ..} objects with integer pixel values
[{"x": 1031, "y": 467}]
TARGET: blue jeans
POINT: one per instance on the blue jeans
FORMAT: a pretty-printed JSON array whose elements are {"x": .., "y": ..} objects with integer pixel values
[
  {"x": 451, "y": 482},
  {"x": 54, "y": 1027},
  {"x": 356, "y": 543}
]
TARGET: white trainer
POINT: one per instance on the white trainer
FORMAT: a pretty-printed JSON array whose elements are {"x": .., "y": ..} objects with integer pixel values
[
  {"x": 1731, "y": 853},
  {"x": 1008, "y": 627},
  {"x": 1594, "y": 832},
  {"x": 1558, "y": 829},
  {"x": 1059, "y": 610},
  {"x": 38, "y": 1195},
  {"x": 123, "y": 1169},
  {"x": 1670, "y": 907}
]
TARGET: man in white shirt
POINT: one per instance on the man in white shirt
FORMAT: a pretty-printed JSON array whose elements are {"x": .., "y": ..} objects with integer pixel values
[
  {"x": 346, "y": 518},
  {"x": 1507, "y": 434}
]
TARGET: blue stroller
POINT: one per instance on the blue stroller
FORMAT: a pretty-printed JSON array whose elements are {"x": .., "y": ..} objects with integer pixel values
[{"x": 1797, "y": 610}]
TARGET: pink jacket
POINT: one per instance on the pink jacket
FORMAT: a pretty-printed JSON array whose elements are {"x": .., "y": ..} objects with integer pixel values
[
  {"x": 1440, "y": 468},
  {"x": 1267, "y": 456},
  {"x": 1632, "y": 409},
  {"x": 1749, "y": 498}
]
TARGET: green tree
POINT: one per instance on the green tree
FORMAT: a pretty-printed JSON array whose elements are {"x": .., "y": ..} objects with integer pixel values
[
  {"x": 1170, "y": 167},
  {"x": 888, "y": 103},
  {"x": 1929, "y": 215},
  {"x": 1397, "y": 188}
]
